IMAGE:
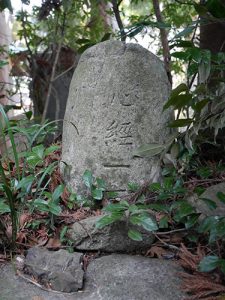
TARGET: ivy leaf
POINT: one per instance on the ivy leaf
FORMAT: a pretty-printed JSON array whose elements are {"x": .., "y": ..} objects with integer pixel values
[
  {"x": 135, "y": 235},
  {"x": 97, "y": 194},
  {"x": 209, "y": 263},
  {"x": 88, "y": 179},
  {"x": 101, "y": 183},
  {"x": 149, "y": 224},
  {"x": 106, "y": 220}
]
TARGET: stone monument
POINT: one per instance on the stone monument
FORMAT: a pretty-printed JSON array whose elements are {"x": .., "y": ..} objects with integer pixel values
[{"x": 115, "y": 105}]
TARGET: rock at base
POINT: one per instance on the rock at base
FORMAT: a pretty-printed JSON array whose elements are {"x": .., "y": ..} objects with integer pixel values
[
  {"x": 59, "y": 269},
  {"x": 210, "y": 193},
  {"x": 112, "y": 277},
  {"x": 111, "y": 238}
]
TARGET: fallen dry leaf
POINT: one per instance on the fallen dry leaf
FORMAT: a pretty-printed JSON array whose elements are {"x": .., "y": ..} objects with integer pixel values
[
  {"x": 53, "y": 243},
  {"x": 156, "y": 251}
]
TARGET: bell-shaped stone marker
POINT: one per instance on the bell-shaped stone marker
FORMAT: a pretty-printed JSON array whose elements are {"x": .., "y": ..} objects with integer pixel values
[{"x": 115, "y": 105}]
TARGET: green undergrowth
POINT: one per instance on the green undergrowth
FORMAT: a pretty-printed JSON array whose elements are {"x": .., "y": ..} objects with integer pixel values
[{"x": 36, "y": 205}]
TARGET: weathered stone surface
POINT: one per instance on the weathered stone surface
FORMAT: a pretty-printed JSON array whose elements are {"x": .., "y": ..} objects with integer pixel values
[
  {"x": 115, "y": 105},
  {"x": 113, "y": 277},
  {"x": 210, "y": 193},
  {"x": 111, "y": 238},
  {"x": 60, "y": 269},
  {"x": 124, "y": 277}
]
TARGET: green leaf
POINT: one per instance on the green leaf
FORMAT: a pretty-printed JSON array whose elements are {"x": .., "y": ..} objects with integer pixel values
[
  {"x": 106, "y": 220},
  {"x": 55, "y": 209},
  {"x": 135, "y": 235},
  {"x": 57, "y": 193},
  {"x": 51, "y": 149},
  {"x": 97, "y": 194},
  {"x": 133, "y": 187},
  {"x": 101, "y": 184},
  {"x": 121, "y": 206},
  {"x": 25, "y": 183},
  {"x": 210, "y": 203},
  {"x": 135, "y": 219},
  {"x": 186, "y": 31},
  {"x": 41, "y": 205},
  {"x": 200, "y": 105},
  {"x": 135, "y": 31},
  {"x": 39, "y": 151},
  {"x": 4, "y": 208},
  {"x": 88, "y": 179},
  {"x": 159, "y": 207},
  {"x": 149, "y": 224},
  {"x": 221, "y": 197},
  {"x": 63, "y": 233},
  {"x": 207, "y": 224},
  {"x": 180, "y": 123},
  {"x": 155, "y": 187},
  {"x": 133, "y": 208},
  {"x": 28, "y": 114},
  {"x": 209, "y": 263},
  {"x": 149, "y": 150},
  {"x": 183, "y": 209},
  {"x": 191, "y": 220},
  {"x": 34, "y": 160},
  {"x": 111, "y": 195},
  {"x": 178, "y": 101}
]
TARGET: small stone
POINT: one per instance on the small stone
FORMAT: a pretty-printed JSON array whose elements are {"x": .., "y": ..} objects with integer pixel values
[
  {"x": 59, "y": 269},
  {"x": 111, "y": 238}
]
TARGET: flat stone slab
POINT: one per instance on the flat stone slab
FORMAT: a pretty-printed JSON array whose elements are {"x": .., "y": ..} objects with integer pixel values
[
  {"x": 112, "y": 277},
  {"x": 111, "y": 238}
]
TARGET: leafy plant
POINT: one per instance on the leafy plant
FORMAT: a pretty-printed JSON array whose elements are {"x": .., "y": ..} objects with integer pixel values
[
  {"x": 133, "y": 214},
  {"x": 96, "y": 186},
  {"x": 23, "y": 174}
]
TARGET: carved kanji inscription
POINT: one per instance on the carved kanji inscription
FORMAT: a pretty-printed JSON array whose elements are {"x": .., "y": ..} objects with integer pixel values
[{"x": 119, "y": 132}]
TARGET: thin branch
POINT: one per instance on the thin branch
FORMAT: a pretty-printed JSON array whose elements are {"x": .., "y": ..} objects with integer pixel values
[
  {"x": 164, "y": 40},
  {"x": 52, "y": 78},
  {"x": 64, "y": 72},
  {"x": 116, "y": 11},
  {"x": 51, "y": 82}
]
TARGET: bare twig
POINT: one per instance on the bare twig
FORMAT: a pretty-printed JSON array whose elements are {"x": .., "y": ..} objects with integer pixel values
[
  {"x": 172, "y": 231},
  {"x": 172, "y": 247},
  {"x": 164, "y": 40},
  {"x": 116, "y": 11}
]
